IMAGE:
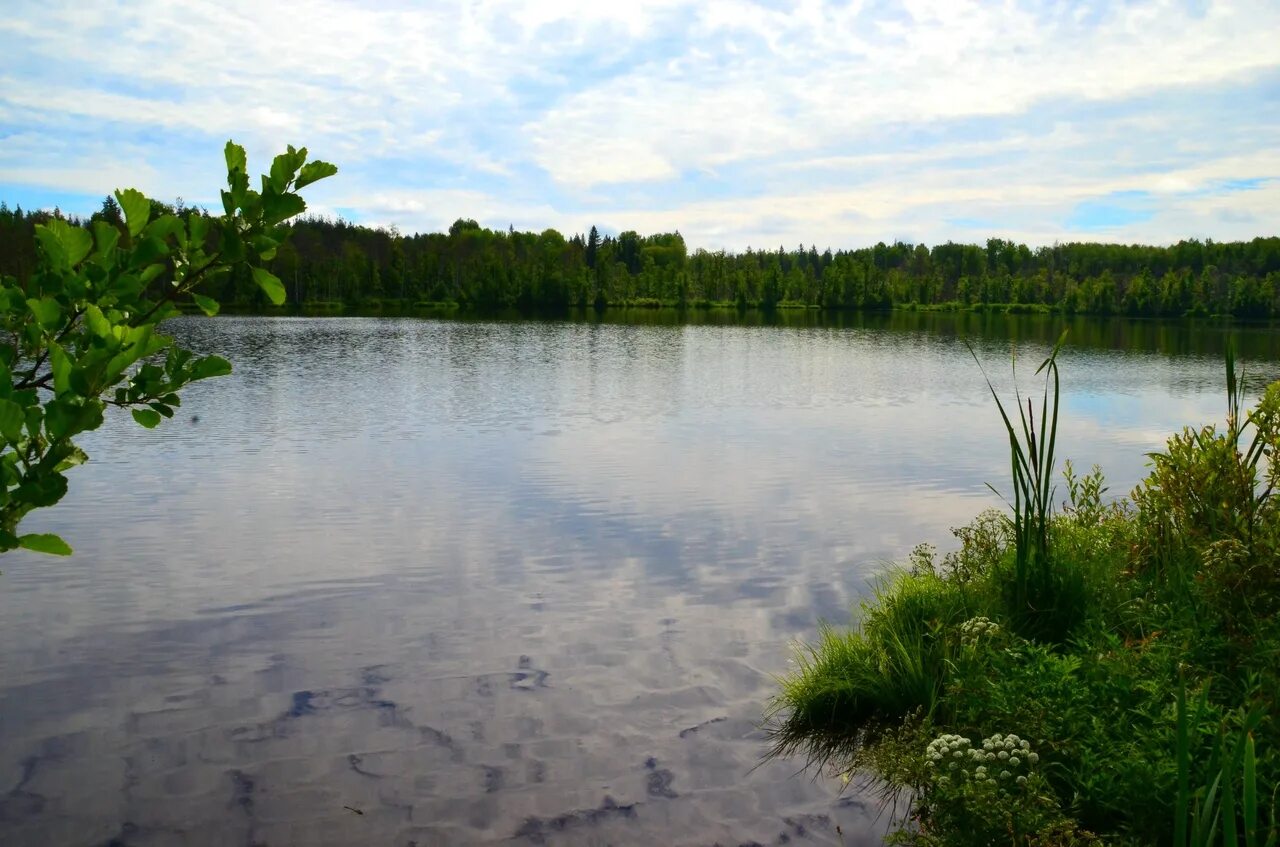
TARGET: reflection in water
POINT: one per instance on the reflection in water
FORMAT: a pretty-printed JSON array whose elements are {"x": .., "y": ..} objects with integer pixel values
[{"x": 419, "y": 582}]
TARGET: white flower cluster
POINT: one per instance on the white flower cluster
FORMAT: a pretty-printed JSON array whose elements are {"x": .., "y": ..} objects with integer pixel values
[
  {"x": 1001, "y": 759},
  {"x": 976, "y": 628},
  {"x": 948, "y": 747}
]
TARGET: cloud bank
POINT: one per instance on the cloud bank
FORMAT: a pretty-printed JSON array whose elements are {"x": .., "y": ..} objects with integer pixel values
[{"x": 738, "y": 123}]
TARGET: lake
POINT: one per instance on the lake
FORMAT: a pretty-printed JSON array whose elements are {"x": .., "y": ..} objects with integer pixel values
[{"x": 403, "y": 581}]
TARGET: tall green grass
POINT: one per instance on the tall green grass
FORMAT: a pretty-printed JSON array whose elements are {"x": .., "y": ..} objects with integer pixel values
[
  {"x": 851, "y": 684},
  {"x": 1044, "y": 593},
  {"x": 1094, "y": 648},
  {"x": 1213, "y": 814}
]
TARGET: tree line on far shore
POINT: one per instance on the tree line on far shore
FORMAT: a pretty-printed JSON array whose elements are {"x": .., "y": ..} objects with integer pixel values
[{"x": 337, "y": 264}]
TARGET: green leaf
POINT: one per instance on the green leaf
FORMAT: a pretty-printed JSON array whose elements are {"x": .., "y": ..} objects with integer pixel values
[
  {"x": 12, "y": 419},
  {"x": 285, "y": 165},
  {"x": 277, "y": 208},
  {"x": 107, "y": 237},
  {"x": 165, "y": 226},
  {"x": 314, "y": 172},
  {"x": 137, "y": 209},
  {"x": 74, "y": 458},
  {"x": 64, "y": 419},
  {"x": 61, "y": 366},
  {"x": 210, "y": 366},
  {"x": 45, "y": 543},
  {"x": 270, "y": 284},
  {"x": 150, "y": 272},
  {"x": 148, "y": 250},
  {"x": 231, "y": 245},
  {"x": 48, "y": 312},
  {"x": 139, "y": 343},
  {"x": 197, "y": 230},
  {"x": 126, "y": 286},
  {"x": 82, "y": 382},
  {"x": 236, "y": 159},
  {"x": 35, "y": 415},
  {"x": 55, "y": 253},
  {"x": 207, "y": 304},
  {"x": 146, "y": 417},
  {"x": 42, "y": 491},
  {"x": 97, "y": 322},
  {"x": 72, "y": 242}
]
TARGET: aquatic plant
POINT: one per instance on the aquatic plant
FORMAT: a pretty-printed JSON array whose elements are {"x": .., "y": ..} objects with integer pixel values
[
  {"x": 945, "y": 651},
  {"x": 1043, "y": 593}
]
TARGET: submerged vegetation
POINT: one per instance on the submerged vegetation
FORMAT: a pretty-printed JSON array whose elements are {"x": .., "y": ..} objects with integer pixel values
[
  {"x": 335, "y": 266},
  {"x": 1105, "y": 674}
]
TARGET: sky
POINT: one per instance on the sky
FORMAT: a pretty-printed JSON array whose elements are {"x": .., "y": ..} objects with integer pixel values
[{"x": 739, "y": 124}]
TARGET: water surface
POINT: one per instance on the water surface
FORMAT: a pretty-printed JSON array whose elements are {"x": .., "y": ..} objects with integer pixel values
[{"x": 421, "y": 582}]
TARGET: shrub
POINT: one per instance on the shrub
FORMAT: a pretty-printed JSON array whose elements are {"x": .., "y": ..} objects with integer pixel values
[{"x": 1095, "y": 677}]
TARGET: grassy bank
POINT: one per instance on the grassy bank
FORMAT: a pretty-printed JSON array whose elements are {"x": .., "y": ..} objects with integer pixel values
[{"x": 1104, "y": 672}]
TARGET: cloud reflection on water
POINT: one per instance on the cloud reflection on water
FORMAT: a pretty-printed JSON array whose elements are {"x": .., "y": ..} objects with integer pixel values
[{"x": 500, "y": 568}]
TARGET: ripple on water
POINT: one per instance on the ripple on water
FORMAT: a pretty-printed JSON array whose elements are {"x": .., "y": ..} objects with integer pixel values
[{"x": 423, "y": 582}]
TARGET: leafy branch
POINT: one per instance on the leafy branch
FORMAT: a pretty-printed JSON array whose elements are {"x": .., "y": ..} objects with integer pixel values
[{"x": 90, "y": 312}]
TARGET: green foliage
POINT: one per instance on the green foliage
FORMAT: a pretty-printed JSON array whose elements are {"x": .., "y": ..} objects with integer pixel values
[
  {"x": 485, "y": 270},
  {"x": 1043, "y": 593},
  {"x": 1208, "y": 505},
  {"x": 1202, "y": 815},
  {"x": 80, "y": 329},
  {"x": 992, "y": 793},
  {"x": 850, "y": 685},
  {"x": 1125, "y": 754}
]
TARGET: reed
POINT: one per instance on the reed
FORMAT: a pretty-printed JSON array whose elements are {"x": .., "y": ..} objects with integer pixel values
[
  {"x": 1044, "y": 594},
  {"x": 1213, "y": 815}
]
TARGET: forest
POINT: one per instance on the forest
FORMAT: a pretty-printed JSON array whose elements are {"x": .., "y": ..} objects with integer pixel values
[{"x": 336, "y": 265}]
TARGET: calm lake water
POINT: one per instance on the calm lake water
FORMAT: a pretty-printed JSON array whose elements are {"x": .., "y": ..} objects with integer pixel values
[{"x": 420, "y": 582}]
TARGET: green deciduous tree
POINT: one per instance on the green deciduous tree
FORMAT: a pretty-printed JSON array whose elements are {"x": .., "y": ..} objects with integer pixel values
[{"x": 79, "y": 334}]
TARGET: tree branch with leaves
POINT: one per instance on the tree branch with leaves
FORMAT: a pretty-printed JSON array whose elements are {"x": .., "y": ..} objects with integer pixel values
[{"x": 81, "y": 334}]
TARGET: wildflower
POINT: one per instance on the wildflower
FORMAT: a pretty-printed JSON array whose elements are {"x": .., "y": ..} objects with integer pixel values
[
  {"x": 1005, "y": 774},
  {"x": 1033, "y": 758},
  {"x": 975, "y": 629},
  {"x": 1022, "y": 780},
  {"x": 1013, "y": 761}
]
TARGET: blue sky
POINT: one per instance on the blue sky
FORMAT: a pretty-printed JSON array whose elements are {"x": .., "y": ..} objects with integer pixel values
[{"x": 737, "y": 123}]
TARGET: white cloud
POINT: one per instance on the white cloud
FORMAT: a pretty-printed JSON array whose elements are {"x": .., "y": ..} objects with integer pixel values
[
  {"x": 736, "y": 122},
  {"x": 821, "y": 78}
]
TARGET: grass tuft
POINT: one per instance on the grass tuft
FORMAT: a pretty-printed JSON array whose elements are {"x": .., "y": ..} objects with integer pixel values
[{"x": 1134, "y": 644}]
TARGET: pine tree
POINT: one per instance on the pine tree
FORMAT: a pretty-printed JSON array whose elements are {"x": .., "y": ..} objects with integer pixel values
[{"x": 593, "y": 247}]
